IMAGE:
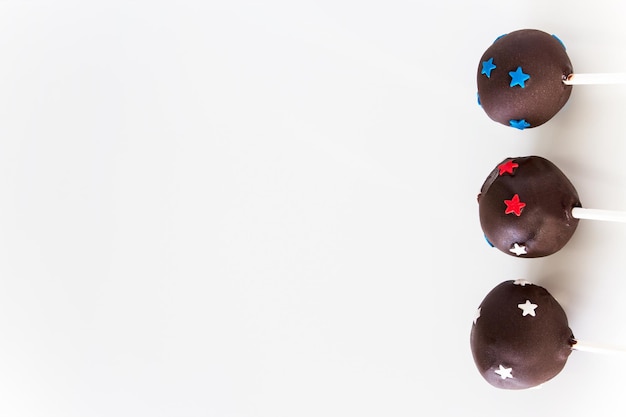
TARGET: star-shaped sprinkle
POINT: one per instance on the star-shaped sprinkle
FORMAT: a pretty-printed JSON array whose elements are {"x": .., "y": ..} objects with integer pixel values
[
  {"x": 500, "y": 37},
  {"x": 520, "y": 124},
  {"x": 488, "y": 66},
  {"x": 528, "y": 308},
  {"x": 514, "y": 205},
  {"x": 478, "y": 99},
  {"x": 504, "y": 372},
  {"x": 518, "y": 78},
  {"x": 487, "y": 239},
  {"x": 522, "y": 282},
  {"x": 560, "y": 41},
  {"x": 518, "y": 250},
  {"x": 507, "y": 167},
  {"x": 477, "y": 314}
]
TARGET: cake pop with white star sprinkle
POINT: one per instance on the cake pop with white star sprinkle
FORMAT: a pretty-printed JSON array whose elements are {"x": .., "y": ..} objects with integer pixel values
[{"x": 521, "y": 337}]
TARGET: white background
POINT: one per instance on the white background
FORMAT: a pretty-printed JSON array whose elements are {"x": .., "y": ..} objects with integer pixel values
[{"x": 269, "y": 208}]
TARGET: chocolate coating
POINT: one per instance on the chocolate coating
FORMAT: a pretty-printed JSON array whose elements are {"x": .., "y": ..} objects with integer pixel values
[
  {"x": 540, "y": 56},
  {"x": 515, "y": 347},
  {"x": 525, "y": 207}
]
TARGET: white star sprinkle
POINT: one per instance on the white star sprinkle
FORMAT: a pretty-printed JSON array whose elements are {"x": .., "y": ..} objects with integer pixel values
[
  {"x": 518, "y": 250},
  {"x": 528, "y": 308},
  {"x": 477, "y": 314},
  {"x": 522, "y": 282},
  {"x": 504, "y": 372}
]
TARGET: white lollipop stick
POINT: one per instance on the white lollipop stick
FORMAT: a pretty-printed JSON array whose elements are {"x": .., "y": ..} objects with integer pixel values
[
  {"x": 594, "y": 348},
  {"x": 594, "y": 214},
  {"x": 600, "y": 78}
]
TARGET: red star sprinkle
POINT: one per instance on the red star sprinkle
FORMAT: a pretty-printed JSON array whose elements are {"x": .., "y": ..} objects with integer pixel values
[
  {"x": 508, "y": 166},
  {"x": 514, "y": 206}
]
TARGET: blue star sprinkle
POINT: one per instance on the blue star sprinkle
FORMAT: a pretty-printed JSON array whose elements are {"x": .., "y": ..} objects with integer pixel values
[
  {"x": 488, "y": 67},
  {"x": 518, "y": 77},
  {"x": 490, "y": 244},
  {"x": 500, "y": 37},
  {"x": 478, "y": 99},
  {"x": 519, "y": 124},
  {"x": 560, "y": 41}
]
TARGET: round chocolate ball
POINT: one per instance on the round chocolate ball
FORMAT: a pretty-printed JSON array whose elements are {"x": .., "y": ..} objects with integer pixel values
[
  {"x": 520, "y": 337},
  {"x": 525, "y": 207},
  {"x": 520, "y": 78}
]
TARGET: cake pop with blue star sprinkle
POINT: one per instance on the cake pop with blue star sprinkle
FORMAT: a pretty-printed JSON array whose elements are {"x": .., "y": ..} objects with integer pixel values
[{"x": 520, "y": 78}]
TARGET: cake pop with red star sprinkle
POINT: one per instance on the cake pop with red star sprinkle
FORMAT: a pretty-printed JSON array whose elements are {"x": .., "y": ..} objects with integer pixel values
[{"x": 529, "y": 208}]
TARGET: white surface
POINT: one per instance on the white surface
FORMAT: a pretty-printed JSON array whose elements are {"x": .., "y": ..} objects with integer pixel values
[{"x": 269, "y": 208}]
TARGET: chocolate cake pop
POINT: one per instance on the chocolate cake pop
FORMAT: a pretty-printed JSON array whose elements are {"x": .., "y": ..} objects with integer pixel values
[
  {"x": 520, "y": 78},
  {"x": 529, "y": 208},
  {"x": 525, "y": 77},
  {"x": 520, "y": 337}
]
